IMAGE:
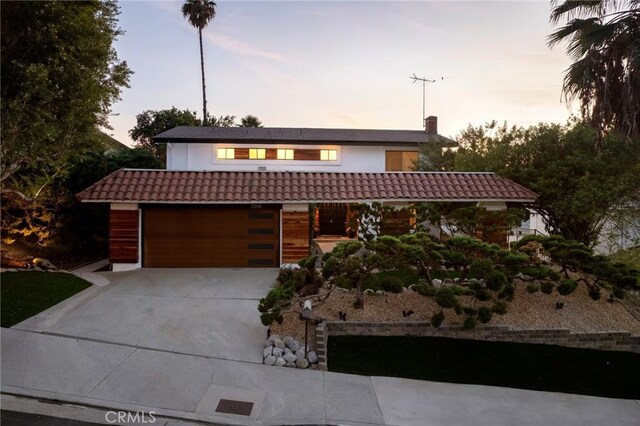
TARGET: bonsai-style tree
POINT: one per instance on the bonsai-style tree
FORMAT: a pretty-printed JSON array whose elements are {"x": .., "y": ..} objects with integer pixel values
[{"x": 354, "y": 262}]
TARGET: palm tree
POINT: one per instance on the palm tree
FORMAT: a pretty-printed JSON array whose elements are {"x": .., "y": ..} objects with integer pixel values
[
  {"x": 250, "y": 121},
  {"x": 603, "y": 39},
  {"x": 199, "y": 13}
]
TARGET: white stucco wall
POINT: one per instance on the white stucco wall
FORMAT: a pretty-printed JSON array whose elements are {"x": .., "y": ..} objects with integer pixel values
[{"x": 202, "y": 156}]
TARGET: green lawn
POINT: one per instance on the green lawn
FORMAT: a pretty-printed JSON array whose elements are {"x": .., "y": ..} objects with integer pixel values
[
  {"x": 517, "y": 365},
  {"x": 24, "y": 294}
]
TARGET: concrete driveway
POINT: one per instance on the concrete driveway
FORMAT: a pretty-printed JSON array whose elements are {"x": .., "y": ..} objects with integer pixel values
[{"x": 205, "y": 312}]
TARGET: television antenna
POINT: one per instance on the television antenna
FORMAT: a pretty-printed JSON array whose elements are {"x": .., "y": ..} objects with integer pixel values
[{"x": 424, "y": 81}]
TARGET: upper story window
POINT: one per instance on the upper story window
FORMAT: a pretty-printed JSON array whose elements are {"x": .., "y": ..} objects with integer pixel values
[
  {"x": 226, "y": 153},
  {"x": 285, "y": 154},
  {"x": 328, "y": 154},
  {"x": 257, "y": 154},
  {"x": 400, "y": 161}
]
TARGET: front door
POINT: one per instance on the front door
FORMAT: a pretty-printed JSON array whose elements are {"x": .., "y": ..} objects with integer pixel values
[{"x": 333, "y": 219}]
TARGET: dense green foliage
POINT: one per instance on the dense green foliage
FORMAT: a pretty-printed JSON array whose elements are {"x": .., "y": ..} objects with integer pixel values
[
  {"x": 527, "y": 366},
  {"x": 436, "y": 319},
  {"x": 578, "y": 185},
  {"x": 151, "y": 123},
  {"x": 485, "y": 314},
  {"x": 25, "y": 294},
  {"x": 60, "y": 76}
]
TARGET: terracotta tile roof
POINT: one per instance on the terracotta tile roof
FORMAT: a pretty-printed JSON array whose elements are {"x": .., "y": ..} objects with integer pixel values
[
  {"x": 268, "y": 135},
  {"x": 158, "y": 186}
]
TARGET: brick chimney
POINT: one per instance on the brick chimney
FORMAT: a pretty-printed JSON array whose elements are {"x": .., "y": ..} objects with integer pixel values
[{"x": 431, "y": 125}]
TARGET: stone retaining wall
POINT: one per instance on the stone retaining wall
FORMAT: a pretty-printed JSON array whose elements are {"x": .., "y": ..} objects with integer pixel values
[{"x": 612, "y": 341}]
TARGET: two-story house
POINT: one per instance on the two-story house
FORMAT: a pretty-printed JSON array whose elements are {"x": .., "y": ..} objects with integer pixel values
[{"x": 240, "y": 196}]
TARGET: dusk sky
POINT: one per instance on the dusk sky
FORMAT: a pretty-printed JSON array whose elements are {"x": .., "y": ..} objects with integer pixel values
[{"x": 346, "y": 64}]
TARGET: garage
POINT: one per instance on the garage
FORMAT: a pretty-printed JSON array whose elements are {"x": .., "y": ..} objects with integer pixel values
[{"x": 185, "y": 236}]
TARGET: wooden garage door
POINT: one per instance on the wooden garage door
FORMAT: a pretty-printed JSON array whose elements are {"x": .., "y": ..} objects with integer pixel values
[{"x": 193, "y": 237}]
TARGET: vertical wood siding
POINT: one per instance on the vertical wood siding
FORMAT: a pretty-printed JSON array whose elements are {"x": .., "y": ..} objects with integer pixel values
[
  {"x": 123, "y": 236},
  {"x": 295, "y": 236}
]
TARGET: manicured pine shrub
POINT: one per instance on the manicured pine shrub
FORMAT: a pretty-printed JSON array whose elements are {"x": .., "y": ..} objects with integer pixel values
[
  {"x": 470, "y": 311},
  {"x": 567, "y": 287},
  {"x": 496, "y": 280},
  {"x": 595, "y": 293},
  {"x": 618, "y": 292},
  {"x": 499, "y": 308},
  {"x": 424, "y": 290},
  {"x": 446, "y": 298},
  {"x": 485, "y": 314},
  {"x": 462, "y": 291},
  {"x": 532, "y": 288},
  {"x": 343, "y": 282},
  {"x": 470, "y": 323},
  {"x": 507, "y": 292},
  {"x": 391, "y": 284},
  {"x": 480, "y": 268},
  {"x": 436, "y": 319},
  {"x": 547, "y": 287},
  {"x": 483, "y": 295}
]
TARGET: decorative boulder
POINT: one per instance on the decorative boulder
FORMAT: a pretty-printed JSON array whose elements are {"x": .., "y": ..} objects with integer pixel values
[
  {"x": 448, "y": 281},
  {"x": 290, "y": 364},
  {"x": 267, "y": 351},
  {"x": 300, "y": 353},
  {"x": 280, "y": 362},
  {"x": 369, "y": 291},
  {"x": 294, "y": 346},
  {"x": 380, "y": 292},
  {"x": 287, "y": 340},
  {"x": 44, "y": 264},
  {"x": 273, "y": 338},
  {"x": 277, "y": 352},
  {"x": 437, "y": 282},
  {"x": 268, "y": 343},
  {"x": 270, "y": 360},
  {"x": 302, "y": 363},
  {"x": 289, "y": 357},
  {"x": 278, "y": 343},
  {"x": 312, "y": 357}
]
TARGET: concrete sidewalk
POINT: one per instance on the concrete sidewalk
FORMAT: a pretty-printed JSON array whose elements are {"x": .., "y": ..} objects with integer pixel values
[{"x": 188, "y": 388}]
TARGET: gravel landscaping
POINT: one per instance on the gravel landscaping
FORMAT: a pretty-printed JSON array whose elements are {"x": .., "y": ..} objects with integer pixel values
[{"x": 538, "y": 310}]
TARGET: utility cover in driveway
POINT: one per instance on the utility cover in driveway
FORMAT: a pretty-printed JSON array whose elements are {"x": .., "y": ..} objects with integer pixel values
[
  {"x": 206, "y": 236},
  {"x": 229, "y": 406}
]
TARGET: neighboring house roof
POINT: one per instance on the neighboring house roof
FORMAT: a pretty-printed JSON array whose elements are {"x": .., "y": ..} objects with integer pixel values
[
  {"x": 215, "y": 187},
  {"x": 273, "y": 135}
]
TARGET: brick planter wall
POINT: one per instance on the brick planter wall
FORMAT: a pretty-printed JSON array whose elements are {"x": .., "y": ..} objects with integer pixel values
[{"x": 612, "y": 341}]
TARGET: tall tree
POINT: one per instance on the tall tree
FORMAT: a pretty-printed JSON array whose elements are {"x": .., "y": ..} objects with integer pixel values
[
  {"x": 250, "y": 121},
  {"x": 579, "y": 186},
  {"x": 602, "y": 39},
  {"x": 150, "y": 123},
  {"x": 199, "y": 13},
  {"x": 60, "y": 76}
]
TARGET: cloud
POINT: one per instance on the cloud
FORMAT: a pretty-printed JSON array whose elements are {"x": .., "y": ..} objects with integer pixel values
[
  {"x": 225, "y": 42},
  {"x": 243, "y": 49}
]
